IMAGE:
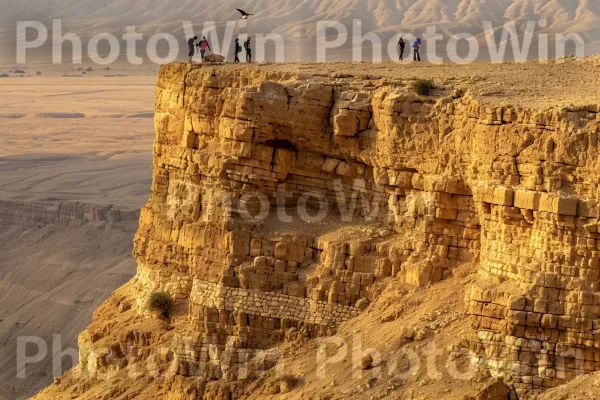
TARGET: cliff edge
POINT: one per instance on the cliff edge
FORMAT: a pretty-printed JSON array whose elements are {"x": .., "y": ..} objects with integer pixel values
[{"x": 293, "y": 206}]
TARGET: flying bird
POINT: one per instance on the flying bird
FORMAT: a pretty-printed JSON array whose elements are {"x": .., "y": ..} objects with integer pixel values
[{"x": 245, "y": 15}]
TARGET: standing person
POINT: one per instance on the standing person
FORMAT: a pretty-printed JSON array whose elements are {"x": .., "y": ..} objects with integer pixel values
[
  {"x": 248, "y": 49},
  {"x": 237, "y": 50},
  {"x": 417, "y": 49},
  {"x": 401, "y": 46},
  {"x": 203, "y": 46},
  {"x": 190, "y": 43}
]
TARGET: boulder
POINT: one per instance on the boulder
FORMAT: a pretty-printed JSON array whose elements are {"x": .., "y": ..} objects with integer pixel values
[{"x": 214, "y": 58}]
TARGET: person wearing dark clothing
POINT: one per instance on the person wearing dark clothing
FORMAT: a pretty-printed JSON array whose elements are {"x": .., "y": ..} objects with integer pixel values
[
  {"x": 190, "y": 43},
  {"x": 248, "y": 49},
  {"x": 401, "y": 46},
  {"x": 237, "y": 50},
  {"x": 417, "y": 49}
]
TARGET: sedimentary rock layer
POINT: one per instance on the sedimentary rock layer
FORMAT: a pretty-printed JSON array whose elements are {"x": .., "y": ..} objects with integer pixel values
[{"x": 279, "y": 200}]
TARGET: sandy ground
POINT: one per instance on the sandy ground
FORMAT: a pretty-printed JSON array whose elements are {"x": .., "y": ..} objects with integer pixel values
[
  {"x": 423, "y": 367},
  {"x": 66, "y": 140},
  {"x": 51, "y": 280}
]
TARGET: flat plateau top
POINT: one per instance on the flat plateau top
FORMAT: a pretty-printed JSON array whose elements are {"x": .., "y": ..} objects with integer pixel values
[{"x": 531, "y": 84}]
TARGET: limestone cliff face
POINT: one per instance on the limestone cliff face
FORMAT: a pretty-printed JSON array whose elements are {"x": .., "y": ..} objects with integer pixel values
[{"x": 436, "y": 182}]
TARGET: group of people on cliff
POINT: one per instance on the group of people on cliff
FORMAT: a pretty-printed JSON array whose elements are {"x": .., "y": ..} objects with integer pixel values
[
  {"x": 238, "y": 49},
  {"x": 203, "y": 46},
  {"x": 416, "y": 46}
]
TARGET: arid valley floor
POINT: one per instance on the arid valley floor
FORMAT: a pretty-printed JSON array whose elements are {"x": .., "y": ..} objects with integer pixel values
[{"x": 69, "y": 146}]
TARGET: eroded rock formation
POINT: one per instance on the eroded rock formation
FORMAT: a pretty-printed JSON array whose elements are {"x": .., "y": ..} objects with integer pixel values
[
  {"x": 62, "y": 213},
  {"x": 412, "y": 187}
]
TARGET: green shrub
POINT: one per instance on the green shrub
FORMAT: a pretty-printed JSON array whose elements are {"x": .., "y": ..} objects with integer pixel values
[
  {"x": 160, "y": 301},
  {"x": 423, "y": 86}
]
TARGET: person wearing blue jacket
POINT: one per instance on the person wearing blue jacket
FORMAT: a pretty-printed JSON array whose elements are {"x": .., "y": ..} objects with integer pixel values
[{"x": 417, "y": 49}]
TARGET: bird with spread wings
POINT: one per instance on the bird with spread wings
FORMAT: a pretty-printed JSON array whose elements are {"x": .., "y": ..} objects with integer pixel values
[{"x": 245, "y": 15}]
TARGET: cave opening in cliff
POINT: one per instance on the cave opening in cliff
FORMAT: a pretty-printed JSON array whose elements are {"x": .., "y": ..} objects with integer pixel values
[{"x": 281, "y": 144}]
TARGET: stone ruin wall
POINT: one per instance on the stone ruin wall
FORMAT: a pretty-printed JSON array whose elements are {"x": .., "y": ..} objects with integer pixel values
[{"x": 511, "y": 189}]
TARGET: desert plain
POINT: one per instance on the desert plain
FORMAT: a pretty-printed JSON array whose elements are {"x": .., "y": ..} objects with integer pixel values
[{"x": 67, "y": 143}]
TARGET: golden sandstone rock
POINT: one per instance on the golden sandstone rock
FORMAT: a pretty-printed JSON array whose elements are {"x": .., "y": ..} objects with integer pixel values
[{"x": 451, "y": 180}]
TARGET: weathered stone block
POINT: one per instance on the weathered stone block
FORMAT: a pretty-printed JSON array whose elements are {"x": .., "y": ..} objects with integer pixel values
[
  {"x": 503, "y": 196},
  {"x": 419, "y": 274},
  {"x": 547, "y": 202},
  {"x": 260, "y": 263},
  {"x": 587, "y": 208},
  {"x": 331, "y": 164},
  {"x": 446, "y": 213},
  {"x": 518, "y": 303},
  {"x": 565, "y": 205},
  {"x": 284, "y": 160},
  {"x": 345, "y": 169},
  {"x": 262, "y": 153},
  {"x": 280, "y": 266},
  {"x": 346, "y": 123},
  {"x": 418, "y": 181},
  {"x": 527, "y": 199},
  {"x": 487, "y": 193},
  {"x": 241, "y": 149},
  {"x": 239, "y": 243},
  {"x": 533, "y": 319},
  {"x": 281, "y": 250},
  {"x": 255, "y": 247}
]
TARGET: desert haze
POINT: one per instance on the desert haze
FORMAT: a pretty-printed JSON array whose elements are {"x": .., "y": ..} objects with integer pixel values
[{"x": 296, "y": 20}]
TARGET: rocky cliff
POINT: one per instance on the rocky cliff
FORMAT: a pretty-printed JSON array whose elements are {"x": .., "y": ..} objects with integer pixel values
[
  {"x": 31, "y": 214},
  {"x": 283, "y": 202}
]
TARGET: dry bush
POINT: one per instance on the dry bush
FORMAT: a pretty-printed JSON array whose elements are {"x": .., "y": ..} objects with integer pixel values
[
  {"x": 423, "y": 87},
  {"x": 160, "y": 301}
]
